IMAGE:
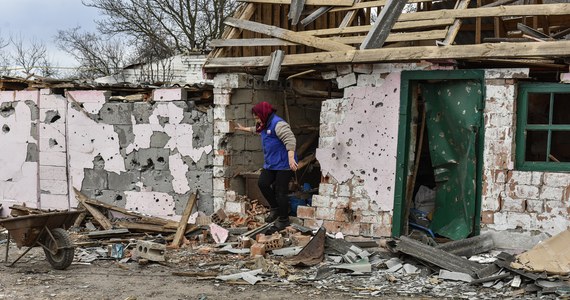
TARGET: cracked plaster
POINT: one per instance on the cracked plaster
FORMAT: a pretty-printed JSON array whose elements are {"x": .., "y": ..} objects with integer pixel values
[{"x": 365, "y": 143}]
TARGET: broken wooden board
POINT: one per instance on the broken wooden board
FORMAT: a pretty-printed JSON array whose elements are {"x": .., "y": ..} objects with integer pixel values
[
  {"x": 288, "y": 35},
  {"x": 551, "y": 256},
  {"x": 97, "y": 215},
  {"x": 184, "y": 220},
  {"x": 307, "y": 2}
]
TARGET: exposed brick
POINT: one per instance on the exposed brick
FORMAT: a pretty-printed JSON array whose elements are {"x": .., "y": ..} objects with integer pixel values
[
  {"x": 487, "y": 217},
  {"x": 555, "y": 207},
  {"x": 339, "y": 202},
  {"x": 359, "y": 204},
  {"x": 326, "y": 189},
  {"x": 516, "y": 205},
  {"x": 566, "y": 194},
  {"x": 236, "y": 207},
  {"x": 557, "y": 179},
  {"x": 535, "y": 206},
  {"x": 324, "y": 213},
  {"x": 300, "y": 240},
  {"x": 306, "y": 212},
  {"x": 382, "y": 230},
  {"x": 520, "y": 177},
  {"x": 311, "y": 223},
  {"x": 537, "y": 178},
  {"x": 525, "y": 192},
  {"x": 499, "y": 176},
  {"x": 551, "y": 193},
  {"x": 257, "y": 249},
  {"x": 332, "y": 226},
  {"x": 366, "y": 229},
  {"x": 321, "y": 201},
  {"x": 351, "y": 228}
]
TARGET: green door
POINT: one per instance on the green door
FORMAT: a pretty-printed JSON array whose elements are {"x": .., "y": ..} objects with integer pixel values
[{"x": 453, "y": 119}]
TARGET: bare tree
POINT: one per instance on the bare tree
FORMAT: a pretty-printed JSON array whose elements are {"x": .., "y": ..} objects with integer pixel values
[
  {"x": 4, "y": 57},
  {"x": 97, "y": 55},
  {"x": 31, "y": 57},
  {"x": 174, "y": 26}
]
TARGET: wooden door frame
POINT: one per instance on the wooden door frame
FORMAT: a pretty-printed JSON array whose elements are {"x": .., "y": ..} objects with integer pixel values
[{"x": 408, "y": 78}]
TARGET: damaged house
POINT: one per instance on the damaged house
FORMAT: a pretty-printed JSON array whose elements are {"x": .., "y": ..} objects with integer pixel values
[{"x": 452, "y": 115}]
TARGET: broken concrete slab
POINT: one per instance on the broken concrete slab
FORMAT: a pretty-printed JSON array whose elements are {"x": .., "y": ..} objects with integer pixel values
[
  {"x": 219, "y": 234},
  {"x": 456, "y": 276},
  {"x": 360, "y": 267},
  {"x": 410, "y": 269},
  {"x": 249, "y": 276},
  {"x": 393, "y": 262},
  {"x": 437, "y": 257}
]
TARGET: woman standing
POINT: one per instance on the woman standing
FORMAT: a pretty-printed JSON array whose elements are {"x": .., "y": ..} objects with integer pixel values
[{"x": 278, "y": 143}]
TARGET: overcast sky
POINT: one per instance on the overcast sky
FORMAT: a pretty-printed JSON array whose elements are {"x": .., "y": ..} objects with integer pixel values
[{"x": 43, "y": 18}]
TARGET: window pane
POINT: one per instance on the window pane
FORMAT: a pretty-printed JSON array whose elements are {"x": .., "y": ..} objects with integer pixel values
[
  {"x": 561, "y": 113},
  {"x": 538, "y": 108},
  {"x": 536, "y": 145},
  {"x": 560, "y": 148}
]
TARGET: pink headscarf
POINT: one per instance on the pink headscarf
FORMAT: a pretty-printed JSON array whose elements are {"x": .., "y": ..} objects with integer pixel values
[{"x": 263, "y": 111}]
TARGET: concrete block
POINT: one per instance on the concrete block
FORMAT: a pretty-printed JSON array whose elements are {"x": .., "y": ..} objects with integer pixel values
[
  {"x": 53, "y": 173},
  {"x": 455, "y": 276},
  {"x": 271, "y": 242},
  {"x": 233, "y": 80},
  {"x": 300, "y": 240},
  {"x": 219, "y": 216},
  {"x": 27, "y": 95},
  {"x": 150, "y": 250},
  {"x": 362, "y": 68},
  {"x": 236, "y": 207},
  {"x": 169, "y": 94},
  {"x": 54, "y": 159},
  {"x": 54, "y": 187},
  {"x": 154, "y": 158},
  {"x": 157, "y": 181},
  {"x": 344, "y": 69},
  {"x": 95, "y": 179},
  {"x": 142, "y": 112},
  {"x": 48, "y": 201},
  {"x": 346, "y": 80},
  {"x": 125, "y": 181}
]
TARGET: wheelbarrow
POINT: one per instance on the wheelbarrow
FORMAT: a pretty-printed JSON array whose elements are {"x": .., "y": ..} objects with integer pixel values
[{"x": 46, "y": 230}]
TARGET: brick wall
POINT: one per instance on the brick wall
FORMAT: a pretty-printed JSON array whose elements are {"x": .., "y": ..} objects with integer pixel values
[{"x": 512, "y": 199}]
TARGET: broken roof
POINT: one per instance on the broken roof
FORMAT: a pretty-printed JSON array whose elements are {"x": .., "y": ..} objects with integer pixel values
[{"x": 323, "y": 32}]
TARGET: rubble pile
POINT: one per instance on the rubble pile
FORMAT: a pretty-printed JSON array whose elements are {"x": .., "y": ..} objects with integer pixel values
[{"x": 234, "y": 249}]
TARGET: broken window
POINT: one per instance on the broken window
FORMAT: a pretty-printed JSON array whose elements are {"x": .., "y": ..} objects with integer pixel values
[{"x": 543, "y": 128}]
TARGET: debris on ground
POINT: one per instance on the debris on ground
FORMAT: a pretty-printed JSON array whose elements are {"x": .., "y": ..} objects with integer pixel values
[{"x": 234, "y": 249}]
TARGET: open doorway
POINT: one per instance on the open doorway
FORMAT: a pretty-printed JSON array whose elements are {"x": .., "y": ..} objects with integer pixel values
[{"x": 439, "y": 176}]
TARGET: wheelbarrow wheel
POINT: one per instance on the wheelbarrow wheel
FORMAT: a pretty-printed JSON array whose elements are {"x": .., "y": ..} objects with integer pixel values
[{"x": 65, "y": 251}]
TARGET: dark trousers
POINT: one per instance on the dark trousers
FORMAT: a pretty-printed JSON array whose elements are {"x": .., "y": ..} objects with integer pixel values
[{"x": 274, "y": 186}]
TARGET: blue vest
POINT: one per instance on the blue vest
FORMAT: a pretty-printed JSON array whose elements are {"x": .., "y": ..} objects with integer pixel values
[{"x": 274, "y": 151}]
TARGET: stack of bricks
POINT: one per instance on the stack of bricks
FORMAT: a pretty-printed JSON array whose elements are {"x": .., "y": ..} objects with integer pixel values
[{"x": 271, "y": 242}]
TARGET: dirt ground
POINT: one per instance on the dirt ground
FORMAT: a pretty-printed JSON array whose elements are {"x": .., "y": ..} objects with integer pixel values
[{"x": 33, "y": 278}]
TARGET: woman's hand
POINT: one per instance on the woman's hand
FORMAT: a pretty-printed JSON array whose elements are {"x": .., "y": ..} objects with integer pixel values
[
  {"x": 242, "y": 128},
  {"x": 292, "y": 162}
]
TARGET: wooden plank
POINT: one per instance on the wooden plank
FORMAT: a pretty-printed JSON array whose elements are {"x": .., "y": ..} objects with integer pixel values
[
  {"x": 315, "y": 14},
  {"x": 307, "y": 2},
  {"x": 289, "y": 35},
  {"x": 250, "y": 43},
  {"x": 370, "y": 4},
  {"x": 184, "y": 220},
  {"x": 143, "y": 227},
  {"x": 101, "y": 219},
  {"x": 500, "y": 50},
  {"x": 422, "y": 24},
  {"x": 478, "y": 26},
  {"x": 274, "y": 69},
  {"x": 454, "y": 29},
  {"x": 376, "y": 37},
  {"x": 503, "y": 11},
  {"x": 398, "y": 37},
  {"x": 229, "y": 33},
  {"x": 146, "y": 219},
  {"x": 295, "y": 11}
]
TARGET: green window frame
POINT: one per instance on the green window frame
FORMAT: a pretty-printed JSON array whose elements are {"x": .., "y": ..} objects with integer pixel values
[{"x": 546, "y": 126}]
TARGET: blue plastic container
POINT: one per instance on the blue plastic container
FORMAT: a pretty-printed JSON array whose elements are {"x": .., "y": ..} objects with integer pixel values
[{"x": 294, "y": 201}]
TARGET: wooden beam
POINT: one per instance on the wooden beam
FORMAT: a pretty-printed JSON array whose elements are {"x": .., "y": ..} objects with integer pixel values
[
  {"x": 501, "y": 50},
  {"x": 398, "y": 37},
  {"x": 349, "y": 17},
  {"x": 307, "y": 2},
  {"x": 184, "y": 220},
  {"x": 422, "y": 24},
  {"x": 97, "y": 215},
  {"x": 269, "y": 42},
  {"x": 295, "y": 11},
  {"x": 371, "y": 4},
  {"x": 376, "y": 37},
  {"x": 289, "y": 35},
  {"x": 245, "y": 13},
  {"x": 314, "y": 15},
  {"x": 502, "y": 11},
  {"x": 454, "y": 29},
  {"x": 274, "y": 69}
]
